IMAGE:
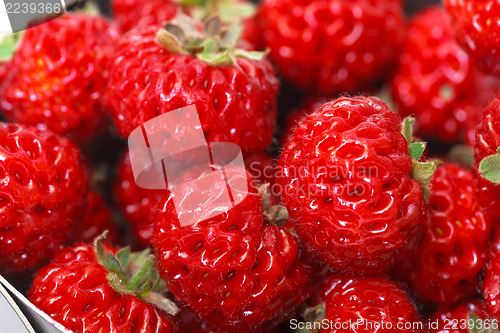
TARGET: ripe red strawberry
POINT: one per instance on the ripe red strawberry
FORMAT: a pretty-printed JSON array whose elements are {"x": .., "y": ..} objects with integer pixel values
[
  {"x": 132, "y": 13},
  {"x": 233, "y": 270},
  {"x": 60, "y": 74},
  {"x": 491, "y": 283},
  {"x": 487, "y": 159},
  {"x": 298, "y": 115},
  {"x": 437, "y": 82},
  {"x": 96, "y": 220},
  {"x": 459, "y": 319},
  {"x": 446, "y": 265},
  {"x": 3, "y": 71},
  {"x": 92, "y": 291},
  {"x": 235, "y": 96},
  {"x": 335, "y": 45},
  {"x": 476, "y": 30},
  {"x": 345, "y": 180},
  {"x": 137, "y": 205},
  {"x": 360, "y": 304},
  {"x": 43, "y": 192}
]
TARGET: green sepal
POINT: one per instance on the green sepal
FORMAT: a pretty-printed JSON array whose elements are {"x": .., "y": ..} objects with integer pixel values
[
  {"x": 134, "y": 274},
  {"x": 478, "y": 325},
  {"x": 311, "y": 315},
  {"x": 408, "y": 124},
  {"x": 216, "y": 45},
  {"x": 9, "y": 44},
  {"x": 421, "y": 171},
  {"x": 416, "y": 150},
  {"x": 273, "y": 214},
  {"x": 489, "y": 167}
]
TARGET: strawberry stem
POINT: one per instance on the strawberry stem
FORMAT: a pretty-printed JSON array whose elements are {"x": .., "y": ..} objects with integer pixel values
[{"x": 8, "y": 45}]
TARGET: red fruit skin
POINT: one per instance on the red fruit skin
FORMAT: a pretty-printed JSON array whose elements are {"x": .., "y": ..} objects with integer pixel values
[
  {"x": 60, "y": 74},
  {"x": 446, "y": 265},
  {"x": 472, "y": 22},
  {"x": 300, "y": 114},
  {"x": 370, "y": 299},
  {"x": 487, "y": 143},
  {"x": 491, "y": 287},
  {"x": 137, "y": 13},
  {"x": 456, "y": 320},
  {"x": 233, "y": 271},
  {"x": 332, "y": 46},
  {"x": 96, "y": 220},
  {"x": 345, "y": 182},
  {"x": 235, "y": 103},
  {"x": 74, "y": 290},
  {"x": 138, "y": 205},
  {"x": 437, "y": 82},
  {"x": 3, "y": 71},
  {"x": 43, "y": 191}
]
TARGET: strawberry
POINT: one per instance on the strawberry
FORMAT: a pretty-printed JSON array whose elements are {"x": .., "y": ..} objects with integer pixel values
[
  {"x": 59, "y": 79},
  {"x": 131, "y": 13},
  {"x": 361, "y": 305},
  {"x": 486, "y": 154},
  {"x": 460, "y": 318},
  {"x": 490, "y": 289},
  {"x": 42, "y": 195},
  {"x": 329, "y": 46},
  {"x": 233, "y": 270},
  {"x": 345, "y": 180},
  {"x": 234, "y": 90},
  {"x": 137, "y": 205},
  {"x": 476, "y": 30},
  {"x": 295, "y": 118},
  {"x": 97, "y": 289},
  {"x": 96, "y": 220},
  {"x": 437, "y": 82},
  {"x": 446, "y": 265}
]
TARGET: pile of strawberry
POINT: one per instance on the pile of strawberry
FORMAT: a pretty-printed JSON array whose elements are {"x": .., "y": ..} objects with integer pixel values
[{"x": 351, "y": 222}]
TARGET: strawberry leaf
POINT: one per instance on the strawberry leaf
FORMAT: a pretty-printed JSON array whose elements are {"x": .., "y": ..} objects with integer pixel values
[{"x": 489, "y": 167}]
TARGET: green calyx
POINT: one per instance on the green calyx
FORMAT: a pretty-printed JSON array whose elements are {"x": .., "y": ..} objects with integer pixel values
[
  {"x": 8, "y": 45},
  {"x": 273, "y": 214},
  {"x": 216, "y": 45},
  {"x": 489, "y": 167},
  {"x": 478, "y": 325},
  {"x": 135, "y": 273},
  {"x": 230, "y": 11},
  {"x": 313, "y": 317},
  {"x": 422, "y": 172}
]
